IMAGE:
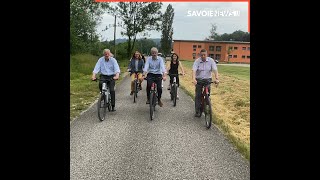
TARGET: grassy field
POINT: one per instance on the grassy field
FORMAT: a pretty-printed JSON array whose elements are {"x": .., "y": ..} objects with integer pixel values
[
  {"x": 230, "y": 102},
  {"x": 83, "y": 91}
]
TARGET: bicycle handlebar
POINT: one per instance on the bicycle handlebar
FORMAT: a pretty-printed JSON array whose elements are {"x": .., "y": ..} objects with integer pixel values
[
  {"x": 152, "y": 78},
  {"x": 174, "y": 74},
  {"x": 111, "y": 79},
  {"x": 205, "y": 82}
]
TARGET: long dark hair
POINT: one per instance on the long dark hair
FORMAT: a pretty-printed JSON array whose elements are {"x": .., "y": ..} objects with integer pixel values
[{"x": 172, "y": 57}]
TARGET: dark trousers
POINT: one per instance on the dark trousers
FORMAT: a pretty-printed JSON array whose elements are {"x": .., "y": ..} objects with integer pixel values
[
  {"x": 177, "y": 78},
  {"x": 111, "y": 85},
  {"x": 199, "y": 94},
  {"x": 157, "y": 81}
]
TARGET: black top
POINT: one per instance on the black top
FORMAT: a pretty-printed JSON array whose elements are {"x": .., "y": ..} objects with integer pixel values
[{"x": 174, "y": 68}]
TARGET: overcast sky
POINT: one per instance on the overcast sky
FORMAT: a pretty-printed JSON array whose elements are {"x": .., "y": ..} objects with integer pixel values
[{"x": 188, "y": 25}]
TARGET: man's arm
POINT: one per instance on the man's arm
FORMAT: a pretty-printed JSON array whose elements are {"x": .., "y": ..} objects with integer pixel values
[
  {"x": 95, "y": 71},
  {"x": 117, "y": 70},
  {"x": 163, "y": 69},
  {"x": 194, "y": 70},
  {"x": 146, "y": 68}
]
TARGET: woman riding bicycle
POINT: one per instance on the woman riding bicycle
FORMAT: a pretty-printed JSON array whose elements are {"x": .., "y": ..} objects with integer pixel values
[
  {"x": 202, "y": 70},
  {"x": 136, "y": 65},
  {"x": 173, "y": 69}
]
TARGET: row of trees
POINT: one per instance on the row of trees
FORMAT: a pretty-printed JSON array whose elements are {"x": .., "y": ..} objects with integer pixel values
[
  {"x": 235, "y": 36},
  {"x": 137, "y": 18}
]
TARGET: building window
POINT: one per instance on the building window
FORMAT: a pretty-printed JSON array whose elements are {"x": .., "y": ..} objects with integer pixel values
[
  {"x": 211, "y": 55},
  {"x": 243, "y": 48},
  {"x": 235, "y": 48},
  {"x": 194, "y": 49},
  {"x": 218, "y": 48},
  {"x": 248, "y": 48},
  {"x": 218, "y": 56},
  {"x": 211, "y": 48},
  {"x": 248, "y": 57},
  {"x": 235, "y": 56},
  {"x": 243, "y": 56},
  {"x": 199, "y": 46},
  {"x": 194, "y": 55},
  {"x": 230, "y": 56},
  {"x": 230, "y": 47},
  {"x": 194, "y": 46}
]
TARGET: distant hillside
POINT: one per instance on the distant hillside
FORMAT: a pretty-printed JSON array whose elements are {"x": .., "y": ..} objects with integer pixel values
[{"x": 156, "y": 40}]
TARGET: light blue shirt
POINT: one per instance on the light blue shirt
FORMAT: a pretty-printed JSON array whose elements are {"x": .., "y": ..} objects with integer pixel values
[
  {"x": 104, "y": 67},
  {"x": 204, "y": 69},
  {"x": 154, "y": 66}
]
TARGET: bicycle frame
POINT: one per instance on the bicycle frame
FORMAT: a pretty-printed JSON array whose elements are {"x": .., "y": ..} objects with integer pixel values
[
  {"x": 153, "y": 96},
  {"x": 104, "y": 100}
]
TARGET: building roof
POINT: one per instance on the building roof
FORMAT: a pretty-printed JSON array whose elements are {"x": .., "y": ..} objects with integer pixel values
[{"x": 211, "y": 41}]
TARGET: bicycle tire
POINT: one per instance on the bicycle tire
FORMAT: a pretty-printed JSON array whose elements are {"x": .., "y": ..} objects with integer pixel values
[
  {"x": 174, "y": 94},
  {"x": 207, "y": 112},
  {"x": 171, "y": 92},
  {"x": 108, "y": 103},
  {"x": 102, "y": 107},
  {"x": 135, "y": 91},
  {"x": 151, "y": 106}
]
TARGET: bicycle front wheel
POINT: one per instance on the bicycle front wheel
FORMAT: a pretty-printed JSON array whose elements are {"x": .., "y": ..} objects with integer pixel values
[
  {"x": 208, "y": 112},
  {"x": 151, "y": 105},
  {"x": 135, "y": 91},
  {"x": 174, "y": 94},
  {"x": 102, "y": 107}
]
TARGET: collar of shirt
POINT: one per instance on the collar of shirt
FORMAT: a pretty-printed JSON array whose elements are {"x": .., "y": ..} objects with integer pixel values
[
  {"x": 107, "y": 59},
  {"x": 201, "y": 61}
]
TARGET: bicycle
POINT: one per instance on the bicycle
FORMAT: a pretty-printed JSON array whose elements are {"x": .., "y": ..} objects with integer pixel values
[
  {"x": 205, "y": 102},
  {"x": 153, "y": 95},
  {"x": 104, "y": 101},
  {"x": 174, "y": 88},
  {"x": 136, "y": 88}
]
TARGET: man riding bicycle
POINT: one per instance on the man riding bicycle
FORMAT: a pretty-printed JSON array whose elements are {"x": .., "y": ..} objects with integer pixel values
[
  {"x": 108, "y": 68},
  {"x": 202, "y": 71},
  {"x": 136, "y": 65},
  {"x": 155, "y": 68}
]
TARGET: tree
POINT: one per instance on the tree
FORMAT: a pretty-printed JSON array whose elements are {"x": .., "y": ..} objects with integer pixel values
[
  {"x": 85, "y": 15},
  {"x": 137, "y": 17},
  {"x": 167, "y": 30},
  {"x": 213, "y": 33}
]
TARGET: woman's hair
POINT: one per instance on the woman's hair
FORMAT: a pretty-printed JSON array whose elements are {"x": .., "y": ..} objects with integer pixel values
[
  {"x": 137, "y": 52},
  {"x": 173, "y": 55}
]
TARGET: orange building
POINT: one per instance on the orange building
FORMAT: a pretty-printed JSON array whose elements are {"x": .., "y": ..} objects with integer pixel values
[{"x": 223, "y": 51}]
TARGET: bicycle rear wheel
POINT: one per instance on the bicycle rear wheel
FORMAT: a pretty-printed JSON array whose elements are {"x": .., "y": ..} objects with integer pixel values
[
  {"x": 174, "y": 94},
  {"x": 151, "y": 105},
  {"x": 102, "y": 107},
  {"x": 208, "y": 112}
]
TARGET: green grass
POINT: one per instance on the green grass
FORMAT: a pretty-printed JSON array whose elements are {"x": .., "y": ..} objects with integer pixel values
[
  {"x": 83, "y": 91},
  {"x": 238, "y": 72}
]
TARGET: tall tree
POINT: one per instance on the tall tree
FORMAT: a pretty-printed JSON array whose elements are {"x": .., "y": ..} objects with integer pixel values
[
  {"x": 213, "y": 33},
  {"x": 85, "y": 15},
  {"x": 167, "y": 30},
  {"x": 137, "y": 17}
]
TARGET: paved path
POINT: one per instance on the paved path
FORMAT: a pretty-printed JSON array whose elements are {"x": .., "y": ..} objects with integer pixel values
[{"x": 175, "y": 145}]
